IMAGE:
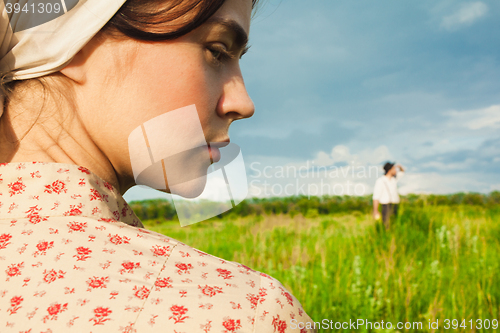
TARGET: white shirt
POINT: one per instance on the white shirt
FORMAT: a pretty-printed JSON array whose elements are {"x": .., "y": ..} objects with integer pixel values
[{"x": 386, "y": 190}]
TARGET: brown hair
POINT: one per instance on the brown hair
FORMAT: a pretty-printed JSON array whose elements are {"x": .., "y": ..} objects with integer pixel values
[{"x": 156, "y": 20}]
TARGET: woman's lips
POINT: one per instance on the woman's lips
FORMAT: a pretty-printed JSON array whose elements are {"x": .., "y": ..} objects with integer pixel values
[
  {"x": 214, "y": 154},
  {"x": 213, "y": 149}
]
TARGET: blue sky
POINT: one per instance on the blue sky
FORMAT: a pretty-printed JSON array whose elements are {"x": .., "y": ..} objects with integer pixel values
[{"x": 342, "y": 83}]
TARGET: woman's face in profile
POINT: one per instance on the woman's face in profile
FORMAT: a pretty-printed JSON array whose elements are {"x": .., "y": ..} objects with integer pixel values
[{"x": 126, "y": 83}]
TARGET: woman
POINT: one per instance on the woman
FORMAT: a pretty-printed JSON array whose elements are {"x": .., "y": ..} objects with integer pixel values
[{"x": 73, "y": 255}]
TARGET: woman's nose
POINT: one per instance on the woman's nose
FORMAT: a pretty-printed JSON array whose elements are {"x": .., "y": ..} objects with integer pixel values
[{"x": 235, "y": 101}]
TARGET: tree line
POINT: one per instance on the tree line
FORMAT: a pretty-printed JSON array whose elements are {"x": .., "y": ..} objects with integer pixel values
[{"x": 327, "y": 204}]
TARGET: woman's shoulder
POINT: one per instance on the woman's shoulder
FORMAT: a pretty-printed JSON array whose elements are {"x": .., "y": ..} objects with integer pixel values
[
  {"x": 198, "y": 289},
  {"x": 214, "y": 292},
  {"x": 226, "y": 294}
]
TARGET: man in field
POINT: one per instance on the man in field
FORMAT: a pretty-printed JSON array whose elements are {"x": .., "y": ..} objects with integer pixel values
[{"x": 385, "y": 193}]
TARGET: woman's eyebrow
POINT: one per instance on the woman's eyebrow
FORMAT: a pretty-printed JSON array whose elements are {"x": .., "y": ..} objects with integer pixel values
[{"x": 241, "y": 37}]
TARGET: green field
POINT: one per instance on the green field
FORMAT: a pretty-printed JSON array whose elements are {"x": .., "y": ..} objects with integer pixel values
[{"x": 437, "y": 262}]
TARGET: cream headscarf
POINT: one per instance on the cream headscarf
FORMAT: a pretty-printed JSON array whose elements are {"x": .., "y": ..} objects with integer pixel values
[{"x": 48, "y": 47}]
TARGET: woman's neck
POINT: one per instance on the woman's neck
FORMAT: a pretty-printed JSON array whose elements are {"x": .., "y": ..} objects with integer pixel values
[{"x": 37, "y": 128}]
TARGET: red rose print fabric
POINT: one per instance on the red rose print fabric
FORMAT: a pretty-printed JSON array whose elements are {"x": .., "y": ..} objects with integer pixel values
[{"x": 75, "y": 258}]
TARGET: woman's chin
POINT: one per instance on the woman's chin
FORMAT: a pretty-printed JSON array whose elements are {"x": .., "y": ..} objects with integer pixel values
[{"x": 190, "y": 189}]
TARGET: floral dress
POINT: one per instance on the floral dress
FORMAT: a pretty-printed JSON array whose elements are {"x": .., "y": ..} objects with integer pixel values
[{"x": 75, "y": 258}]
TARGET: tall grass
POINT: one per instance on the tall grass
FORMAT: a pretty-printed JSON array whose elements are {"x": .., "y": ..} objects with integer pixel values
[{"x": 436, "y": 262}]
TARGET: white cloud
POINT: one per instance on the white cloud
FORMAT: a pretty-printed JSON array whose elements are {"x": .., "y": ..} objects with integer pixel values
[
  {"x": 476, "y": 119},
  {"x": 438, "y": 183},
  {"x": 272, "y": 176},
  {"x": 449, "y": 167},
  {"x": 341, "y": 153},
  {"x": 321, "y": 175},
  {"x": 495, "y": 187},
  {"x": 465, "y": 16},
  {"x": 142, "y": 192}
]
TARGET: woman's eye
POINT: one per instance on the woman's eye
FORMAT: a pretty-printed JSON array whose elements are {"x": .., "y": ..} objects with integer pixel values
[
  {"x": 216, "y": 53},
  {"x": 219, "y": 53}
]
